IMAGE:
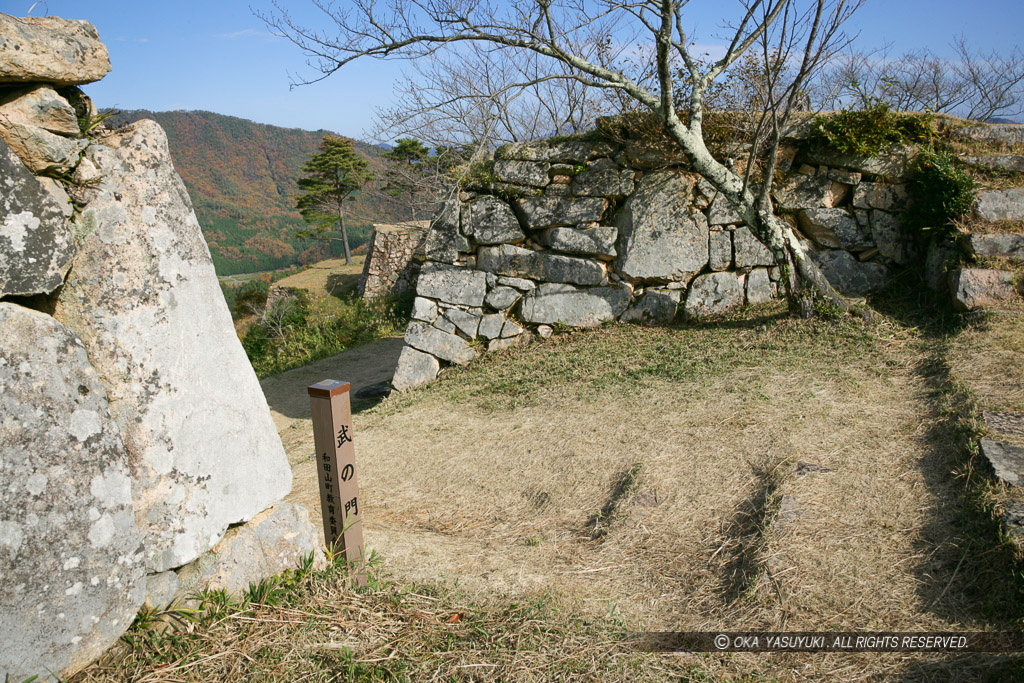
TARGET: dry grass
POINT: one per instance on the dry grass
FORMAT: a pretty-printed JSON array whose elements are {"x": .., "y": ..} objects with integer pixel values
[
  {"x": 988, "y": 357},
  {"x": 638, "y": 479},
  {"x": 969, "y": 224},
  {"x": 328, "y": 278}
]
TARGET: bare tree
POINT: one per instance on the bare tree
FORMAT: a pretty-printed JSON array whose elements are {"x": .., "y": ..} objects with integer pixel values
[
  {"x": 475, "y": 95},
  {"x": 973, "y": 84},
  {"x": 797, "y": 36}
]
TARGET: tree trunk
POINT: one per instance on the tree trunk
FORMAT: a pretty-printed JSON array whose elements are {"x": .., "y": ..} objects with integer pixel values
[
  {"x": 798, "y": 271},
  {"x": 344, "y": 240}
]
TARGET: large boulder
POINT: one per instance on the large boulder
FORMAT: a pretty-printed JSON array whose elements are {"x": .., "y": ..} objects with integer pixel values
[
  {"x": 275, "y": 540},
  {"x": 523, "y": 263},
  {"x": 576, "y": 307},
  {"x": 72, "y": 567},
  {"x": 750, "y": 251},
  {"x": 50, "y": 50},
  {"x": 659, "y": 238},
  {"x": 36, "y": 246},
  {"x": 144, "y": 297}
]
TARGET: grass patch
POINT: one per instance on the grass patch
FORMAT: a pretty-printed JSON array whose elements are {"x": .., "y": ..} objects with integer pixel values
[
  {"x": 314, "y": 628},
  {"x": 299, "y": 330}
]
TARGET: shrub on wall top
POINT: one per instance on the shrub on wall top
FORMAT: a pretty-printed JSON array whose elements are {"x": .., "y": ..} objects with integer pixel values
[{"x": 866, "y": 132}]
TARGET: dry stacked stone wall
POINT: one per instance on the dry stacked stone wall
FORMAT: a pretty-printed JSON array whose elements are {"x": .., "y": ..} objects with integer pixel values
[
  {"x": 393, "y": 259},
  {"x": 581, "y": 233}
]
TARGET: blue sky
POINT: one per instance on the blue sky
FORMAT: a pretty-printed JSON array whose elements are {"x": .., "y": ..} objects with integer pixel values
[{"x": 215, "y": 55}]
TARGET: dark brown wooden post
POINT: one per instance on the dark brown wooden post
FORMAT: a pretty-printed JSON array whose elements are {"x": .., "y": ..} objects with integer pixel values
[{"x": 336, "y": 470}]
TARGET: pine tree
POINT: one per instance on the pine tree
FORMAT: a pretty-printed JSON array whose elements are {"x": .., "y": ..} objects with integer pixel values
[
  {"x": 332, "y": 177},
  {"x": 408, "y": 174}
]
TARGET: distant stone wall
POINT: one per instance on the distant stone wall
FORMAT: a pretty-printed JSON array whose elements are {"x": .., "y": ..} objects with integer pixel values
[
  {"x": 393, "y": 258},
  {"x": 581, "y": 233}
]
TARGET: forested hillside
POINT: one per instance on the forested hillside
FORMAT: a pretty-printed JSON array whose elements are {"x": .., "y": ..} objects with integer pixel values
[{"x": 242, "y": 179}]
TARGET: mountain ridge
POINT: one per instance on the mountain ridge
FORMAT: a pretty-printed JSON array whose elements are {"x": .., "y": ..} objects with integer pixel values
[{"x": 242, "y": 178}]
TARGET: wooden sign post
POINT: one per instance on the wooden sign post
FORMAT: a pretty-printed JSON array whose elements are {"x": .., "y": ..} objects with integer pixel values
[{"x": 336, "y": 470}]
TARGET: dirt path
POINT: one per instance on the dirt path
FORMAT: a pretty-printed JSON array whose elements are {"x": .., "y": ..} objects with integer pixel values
[{"x": 286, "y": 394}]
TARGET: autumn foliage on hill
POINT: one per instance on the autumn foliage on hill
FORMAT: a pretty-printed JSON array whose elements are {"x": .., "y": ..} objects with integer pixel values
[{"x": 242, "y": 177}]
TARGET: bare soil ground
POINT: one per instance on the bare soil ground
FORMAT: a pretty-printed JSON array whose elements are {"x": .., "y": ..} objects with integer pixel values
[
  {"x": 534, "y": 509},
  {"x": 759, "y": 474}
]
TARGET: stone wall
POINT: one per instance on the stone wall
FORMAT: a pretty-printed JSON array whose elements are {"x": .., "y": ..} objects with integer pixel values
[
  {"x": 393, "y": 258},
  {"x": 581, "y": 233},
  {"x": 133, "y": 431}
]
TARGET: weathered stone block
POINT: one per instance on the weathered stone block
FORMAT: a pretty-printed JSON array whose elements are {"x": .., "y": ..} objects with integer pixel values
[
  {"x": 491, "y": 325},
  {"x": 36, "y": 246},
  {"x": 1006, "y": 133},
  {"x": 50, "y": 50},
  {"x": 833, "y": 228},
  {"x": 275, "y": 540},
  {"x": 442, "y": 240},
  {"x": 493, "y": 222},
  {"x": 1000, "y": 205},
  {"x": 654, "y": 306},
  {"x": 517, "y": 282},
  {"x": 71, "y": 557},
  {"x": 553, "y": 212},
  {"x": 722, "y": 212},
  {"x": 568, "y": 152},
  {"x": 41, "y": 150},
  {"x": 414, "y": 369},
  {"x": 424, "y": 309},
  {"x": 809, "y": 192},
  {"x": 534, "y": 174},
  {"x": 443, "y": 345},
  {"x": 145, "y": 299},
  {"x": 603, "y": 178},
  {"x": 517, "y": 262},
  {"x": 759, "y": 286},
  {"x": 586, "y": 307},
  {"x": 1006, "y": 459},
  {"x": 720, "y": 249},
  {"x": 978, "y": 288},
  {"x": 749, "y": 251},
  {"x": 659, "y": 238},
  {"x": 888, "y": 235},
  {"x": 997, "y": 162},
  {"x": 848, "y": 275},
  {"x": 596, "y": 241},
  {"x": 885, "y": 196},
  {"x": 42, "y": 107},
  {"x": 465, "y": 322},
  {"x": 713, "y": 293},
  {"x": 501, "y": 298},
  {"x": 452, "y": 285},
  {"x": 896, "y": 163},
  {"x": 1008, "y": 246}
]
